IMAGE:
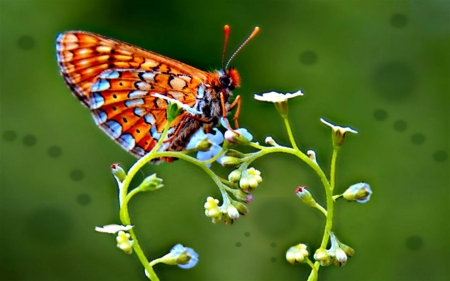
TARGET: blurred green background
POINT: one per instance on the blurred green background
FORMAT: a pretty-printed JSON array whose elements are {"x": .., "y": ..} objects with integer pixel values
[{"x": 381, "y": 67}]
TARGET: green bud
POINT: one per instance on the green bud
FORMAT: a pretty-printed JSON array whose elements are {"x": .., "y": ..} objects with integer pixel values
[
  {"x": 242, "y": 208},
  {"x": 151, "y": 183},
  {"x": 118, "y": 172},
  {"x": 235, "y": 176},
  {"x": 323, "y": 257},
  {"x": 347, "y": 249},
  {"x": 228, "y": 161},
  {"x": 306, "y": 196},
  {"x": 240, "y": 195},
  {"x": 234, "y": 153},
  {"x": 173, "y": 110}
]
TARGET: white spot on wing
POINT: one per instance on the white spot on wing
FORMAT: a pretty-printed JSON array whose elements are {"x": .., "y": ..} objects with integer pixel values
[
  {"x": 137, "y": 94},
  {"x": 97, "y": 100},
  {"x": 109, "y": 74},
  {"x": 100, "y": 85},
  {"x": 127, "y": 141},
  {"x": 114, "y": 128},
  {"x": 149, "y": 76},
  {"x": 143, "y": 86},
  {"x": 177, "y": 83},
  {"x": 134, "y": 103},
  {"x": 155, "y": 133},
  {"x": 139, "y": 111},
  {"x": 99, "y": 116},
  {"x": 150, "y": 119}
]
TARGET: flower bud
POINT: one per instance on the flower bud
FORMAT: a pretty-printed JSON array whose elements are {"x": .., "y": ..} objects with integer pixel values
[
  {"x": 359, "y": 192},
  {"x": 235, "y": 176},
  {"x": 242, "y": 208},
  {"x": 340, "y": 257},
  {"x": 124, "y": 242},
  {"x": 229, "y": 161},
  {"x": 212, "y": 208},
  {"x": 232, "y": 212},
  {"x": 234, "y": 153},
  {"x": 173, "y": 110},
  {"x": 349, "y": 251},
  {"x": 118, "y": 172},
  {"x": 240, "y": 195},
  {"x": 297, "y": 254},
  {"x": 239, "y": 136},
  {"x": 312, "y": 155},
  {"x": 151, "y": 183},
  {"x": 182, "y": 256},
  {"x": 250, "y": 179},
  {"x": 270, "y": 141},
  {"x": 306, "y": 196},
  {"x": 322, "y": 256}
]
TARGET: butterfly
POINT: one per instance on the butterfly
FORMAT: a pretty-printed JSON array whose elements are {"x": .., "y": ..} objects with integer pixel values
[{"x": 127, "y": 90}]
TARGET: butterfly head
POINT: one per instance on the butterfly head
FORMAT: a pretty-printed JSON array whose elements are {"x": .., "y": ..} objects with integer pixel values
[{"x": 229, "y": 79}]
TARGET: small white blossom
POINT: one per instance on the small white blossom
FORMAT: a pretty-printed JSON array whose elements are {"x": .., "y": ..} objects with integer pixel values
[
  {"x": 277, "y": 97},
  {"x": 215, "y": 140},
  {"x": 113, "y": 228}
]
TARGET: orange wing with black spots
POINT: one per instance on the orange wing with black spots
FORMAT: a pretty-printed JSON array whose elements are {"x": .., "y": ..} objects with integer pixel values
[{"x": 116, "y": 81}]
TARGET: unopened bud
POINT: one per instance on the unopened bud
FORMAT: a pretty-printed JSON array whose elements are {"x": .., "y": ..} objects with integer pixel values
[
  {"x": 118, "y": 172},
  {"x": 151, "y": 183}
]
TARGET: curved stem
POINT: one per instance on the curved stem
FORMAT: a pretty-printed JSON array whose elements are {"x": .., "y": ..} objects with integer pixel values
[
  {"x": 289, "y": 131},
  {"x": 124, "y": 198},
  {"x": 267, "y": 150},
  {"x": 125, "y": 218},
  {"x": 322, "y": 209}
]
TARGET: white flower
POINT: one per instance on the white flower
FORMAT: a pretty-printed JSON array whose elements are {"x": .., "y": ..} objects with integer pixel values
[
  {"x": 185, "y": 257},
  {"x": 338, "y": 132},
  {"x": 277, "y": 97},
  {"x": 238, "y": 136},
  {"x": 113, "y": 228},
  {"x": 200, "y": 137}
]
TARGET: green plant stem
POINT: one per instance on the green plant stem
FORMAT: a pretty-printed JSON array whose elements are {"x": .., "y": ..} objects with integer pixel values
[
  {"x": 125, "y": 218},
  {"x": 322, "y": 209},
  {"x": 124, "y": 198},
  {"x": 268, "y": 150},
  {"x": 333, "y": 168},
  {"x": 289, "y": 131},
  {"x": 330, "y": 209}
]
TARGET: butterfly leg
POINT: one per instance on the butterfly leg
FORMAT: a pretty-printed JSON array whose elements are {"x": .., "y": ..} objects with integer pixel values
[
  {"x": 183, "y": 121},
  {"x": 236, "y": 102},
  {"x": 225, "y": 111}
]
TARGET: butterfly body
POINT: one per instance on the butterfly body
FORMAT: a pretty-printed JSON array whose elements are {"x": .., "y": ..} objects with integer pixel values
[{"x": 117, "y": 82}]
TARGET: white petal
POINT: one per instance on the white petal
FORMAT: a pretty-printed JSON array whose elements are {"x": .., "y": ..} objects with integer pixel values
[{"x": 113, "y": 228}]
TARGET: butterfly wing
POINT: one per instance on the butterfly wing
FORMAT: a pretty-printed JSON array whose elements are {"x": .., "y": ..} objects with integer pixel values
[{"x": 116, "y": 81}]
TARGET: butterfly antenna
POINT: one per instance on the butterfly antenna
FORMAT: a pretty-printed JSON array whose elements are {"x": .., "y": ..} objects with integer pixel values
[
  {"x": 255, "y": 31},
  {"x": 226, "y": 30}
]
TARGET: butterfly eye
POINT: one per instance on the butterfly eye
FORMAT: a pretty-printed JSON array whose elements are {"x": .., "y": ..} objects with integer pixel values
[{"x": 225, "y": 81}]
